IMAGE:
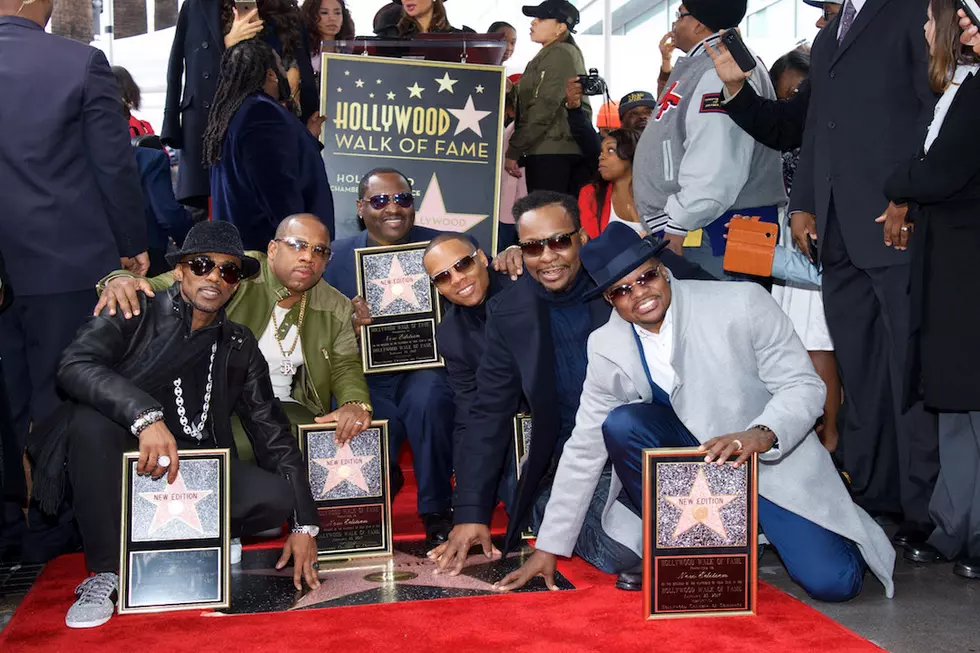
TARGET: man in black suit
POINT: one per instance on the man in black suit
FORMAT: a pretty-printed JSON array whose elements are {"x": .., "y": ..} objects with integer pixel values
[
  {"x": 869, "y": 105},
  {"x": 72, "y": 205}
]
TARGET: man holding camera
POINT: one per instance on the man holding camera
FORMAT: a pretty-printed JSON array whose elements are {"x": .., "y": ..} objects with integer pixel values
[{"x": 694, "y": 168}]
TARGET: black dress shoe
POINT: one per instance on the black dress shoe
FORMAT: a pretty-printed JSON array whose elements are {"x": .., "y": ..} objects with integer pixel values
[
  {"x": 922, "y": 552},
  {"x": 437, "y": 527},
  {"x": 910, "y": 533},
  {"x": 967, "y": 567},
  {"x": 631, "y": 581}
]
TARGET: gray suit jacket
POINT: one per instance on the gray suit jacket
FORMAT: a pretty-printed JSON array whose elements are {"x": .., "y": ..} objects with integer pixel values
[
  {"x": 72, "y": 202},
  {"x": 738, "y": 363}
]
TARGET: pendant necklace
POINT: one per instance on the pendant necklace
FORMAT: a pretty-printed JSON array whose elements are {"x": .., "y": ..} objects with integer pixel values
[{"x": 286, "y": 367}]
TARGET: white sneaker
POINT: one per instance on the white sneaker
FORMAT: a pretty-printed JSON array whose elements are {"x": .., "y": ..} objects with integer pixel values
[
  {"x": 96, "y": 601},
  {"x": 236, "y": 551}
]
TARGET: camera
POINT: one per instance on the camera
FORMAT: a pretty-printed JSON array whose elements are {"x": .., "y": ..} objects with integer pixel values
[{"x": 592, "y": 84}]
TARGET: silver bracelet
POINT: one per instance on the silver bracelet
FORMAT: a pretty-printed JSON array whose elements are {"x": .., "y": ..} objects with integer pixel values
[{"x": 144, "y": 420}]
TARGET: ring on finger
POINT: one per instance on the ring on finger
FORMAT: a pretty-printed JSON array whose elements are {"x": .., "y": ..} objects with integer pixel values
[
  {"x": 163, "y": 461},
  {"x": 905, "y": 228},
  {"x": 738, "y": 444}
]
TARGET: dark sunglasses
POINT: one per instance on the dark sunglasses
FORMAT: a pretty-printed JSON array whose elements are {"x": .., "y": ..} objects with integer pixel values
[
  {"x": 404, "y": 200},
  {"x": 300, "y": 245},
  {"x": 202, "y": 266},
  {"x": 621, "y": 292},
  {"x": 559, "y": 243},
  {"x": 462, "y": 266}
]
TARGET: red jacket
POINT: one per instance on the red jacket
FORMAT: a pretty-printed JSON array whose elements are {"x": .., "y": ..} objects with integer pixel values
[
  {"x": 138, "y": 127},
  {"x": 594, "y": 222}
]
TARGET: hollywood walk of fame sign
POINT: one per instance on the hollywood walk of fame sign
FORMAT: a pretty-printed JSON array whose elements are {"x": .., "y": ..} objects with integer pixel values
[
  {"x": 175, "y": 536},
  {"x": 404, "y": 308},
  {"x": 350, "y": 487},
  {"x": 700, "y": 535},
  {"x": 441, "y": 124}
]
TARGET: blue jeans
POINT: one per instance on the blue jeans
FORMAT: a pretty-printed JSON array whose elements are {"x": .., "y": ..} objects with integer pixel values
[
  {"x": 419, "y": 408},
  {"x": 828, "y": 566}
]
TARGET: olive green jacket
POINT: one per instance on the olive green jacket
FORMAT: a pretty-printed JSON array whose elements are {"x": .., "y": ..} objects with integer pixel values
[
  {"x": 332, "y": 361},
  {"x": 542, "y": 126}
]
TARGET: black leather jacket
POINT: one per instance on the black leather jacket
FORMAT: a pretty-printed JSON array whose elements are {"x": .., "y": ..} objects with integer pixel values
[{"x": 113, "y": 358}]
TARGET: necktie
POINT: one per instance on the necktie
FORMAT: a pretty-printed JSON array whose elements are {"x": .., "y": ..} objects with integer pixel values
[{"x": 846, "y": 20}]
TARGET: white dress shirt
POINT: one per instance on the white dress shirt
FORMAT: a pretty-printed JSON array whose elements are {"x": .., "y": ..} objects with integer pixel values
[{"x": 657, "y": 348}]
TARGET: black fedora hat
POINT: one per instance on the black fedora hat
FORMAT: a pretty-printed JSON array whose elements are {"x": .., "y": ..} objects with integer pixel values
[
  {"x": 615, "y": 253},
  {"x": 215, "y": 238}
]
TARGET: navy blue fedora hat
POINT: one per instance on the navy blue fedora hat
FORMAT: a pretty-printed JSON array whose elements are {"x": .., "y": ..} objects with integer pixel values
[{"x": 615, "y": 253}]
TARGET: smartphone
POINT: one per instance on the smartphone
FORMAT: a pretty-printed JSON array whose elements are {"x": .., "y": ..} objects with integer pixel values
[
  {"x": 244, "y": 6},
  {"x": 972, "y": 9},
  {"x": 745, "y": 60}
]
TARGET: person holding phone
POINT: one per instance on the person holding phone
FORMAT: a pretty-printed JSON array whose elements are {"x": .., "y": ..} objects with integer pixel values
[
  {"x": 971, "y": 31},
  {"x": 940, "y": 187}
]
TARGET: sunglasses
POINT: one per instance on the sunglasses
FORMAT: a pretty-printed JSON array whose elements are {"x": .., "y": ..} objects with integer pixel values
[
  {"x": 404, "y": 200},
  {"x": 621, "y": 292},
  {"x": 462, "y": 266},
  {"x": 300, "y": 245},
  {"x": 559, "y": 243},
  {"x": 202, "y": 266},
  {"x": 681, "y": 14}
]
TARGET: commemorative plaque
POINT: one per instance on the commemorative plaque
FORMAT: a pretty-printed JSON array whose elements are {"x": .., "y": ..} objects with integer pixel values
[
  {"x": 175, "y": 537},
  {"x": 700, "y": 532},
  {"x": 404, "y": 309},
  {"x": 350, "y": 487},
  {"x": 522, "y": 442}
]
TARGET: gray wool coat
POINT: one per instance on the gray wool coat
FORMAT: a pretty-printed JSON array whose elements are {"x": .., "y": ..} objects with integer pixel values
[{"x": 738, "y": 362}]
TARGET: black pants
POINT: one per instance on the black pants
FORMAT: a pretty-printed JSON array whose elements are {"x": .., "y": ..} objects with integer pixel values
[
  {"x": 562, "y": 173},
  {"x": 33, "y": 333},
  {"x": 892, "y": 458},
  {"x": 260, "y": 500}
]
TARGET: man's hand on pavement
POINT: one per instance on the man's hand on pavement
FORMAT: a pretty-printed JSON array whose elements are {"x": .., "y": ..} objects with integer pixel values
[
  {"x": 541, "y": 563},
  {"x": 451, "y": 554}
]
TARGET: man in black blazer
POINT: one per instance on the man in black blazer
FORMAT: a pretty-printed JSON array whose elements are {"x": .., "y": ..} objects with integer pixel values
[
  {"x": 72, "y": 204},
  {"x": 869, "y": 105}
]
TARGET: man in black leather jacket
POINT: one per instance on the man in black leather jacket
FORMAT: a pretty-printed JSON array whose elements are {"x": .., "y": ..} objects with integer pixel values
[{"x": 121, "y": 375}]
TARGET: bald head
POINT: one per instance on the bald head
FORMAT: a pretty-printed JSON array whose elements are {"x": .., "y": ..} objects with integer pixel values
[
  {"x": 37, "y": 10},
  {"x": 307, "y": 220}
]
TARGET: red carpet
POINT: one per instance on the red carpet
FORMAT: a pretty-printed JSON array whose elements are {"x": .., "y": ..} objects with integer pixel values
[{"x": 596, "y": 617}]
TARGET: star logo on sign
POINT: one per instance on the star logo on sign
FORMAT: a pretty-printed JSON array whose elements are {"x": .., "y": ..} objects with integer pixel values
[
  {"x": 479, "y": 89},
  {"x": 371, "y": 95},
  {"x": 391, "y": 96},
  {"x": 446, "y": 84},
  {"x": 700, "y": 506},
  {"x": 347, "y": 72},
  {"x": 469, "y": 118},
  {"x": 398, "y": 285},
  {"x": 344, "y": 466},
  {"x": 359, "y": 83},
  {"x": 340, "y": 90},
  {"x": 415, "y": 91},
  {"x": 176, "y": 502},
  {"x": 432, "y": 212},
  {"x": 379, "y": 81}
]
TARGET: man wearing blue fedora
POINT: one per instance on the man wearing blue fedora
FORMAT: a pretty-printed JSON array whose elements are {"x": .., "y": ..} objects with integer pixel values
[{"x": 701, "y": 363}]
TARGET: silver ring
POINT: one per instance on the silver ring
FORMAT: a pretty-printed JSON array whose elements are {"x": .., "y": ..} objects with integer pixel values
[
  {"x": 905, "y": 228},
  {"x": 738, "y": 443},
  {"x": 359, "y": 423},
  {"x": 163, "y": 461}
]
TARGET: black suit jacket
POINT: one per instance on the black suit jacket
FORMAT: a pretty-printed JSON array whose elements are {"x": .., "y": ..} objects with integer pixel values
[
  {"x": 869, "y": 107},
  {"x": 70, "y": 198},
  {"x": 8, "y": 291},
  {"x": 777, "y": 124}
]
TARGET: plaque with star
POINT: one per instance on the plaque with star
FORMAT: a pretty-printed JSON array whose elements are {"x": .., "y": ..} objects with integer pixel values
[
  {"x": 350, "y": 486},
  {"x": 405, "y": 309},
  {"x": 700, "y": 535},
  {"x": 176, "y": 536}
]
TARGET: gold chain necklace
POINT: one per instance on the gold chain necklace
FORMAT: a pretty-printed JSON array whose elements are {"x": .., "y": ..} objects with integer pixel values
[{"x": 286, "y": 367}]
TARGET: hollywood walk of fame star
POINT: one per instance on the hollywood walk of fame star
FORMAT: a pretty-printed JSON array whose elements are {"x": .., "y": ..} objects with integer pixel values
[
  {"x": 391, "y": 96},
  {"x": 398, "y": 285},
  {"x": 479, "y": 88},
  {"x": 176, "y": 502},
  {"x": 469, "y": 118},
  {"x": 446, "y": 83},
  {"x": 415, "y": 91},
  {"x": 344, "y": 466},
  {"x": 700, "y": 506},
  {"x": 359, "y": 83},
  {"x": 432, "y": 212}
]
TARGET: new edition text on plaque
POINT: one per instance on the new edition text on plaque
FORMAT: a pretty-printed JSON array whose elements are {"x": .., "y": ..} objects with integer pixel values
[
  {"x": 404, "y": 309},
  {"x": 350, "y": 487},
  {"x": 176, "y": 537},
  {"x": 700, "y": 535}
]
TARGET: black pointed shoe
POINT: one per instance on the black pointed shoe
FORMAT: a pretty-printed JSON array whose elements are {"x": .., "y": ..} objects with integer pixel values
[
  {"x": 437, "y": 527},
  {"x": 967, "y": 568},
  {"x": 922, "y": 553}
]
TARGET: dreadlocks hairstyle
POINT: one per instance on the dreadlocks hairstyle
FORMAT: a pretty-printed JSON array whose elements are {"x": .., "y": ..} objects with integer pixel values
[
  {"x": 408, "y": 26},
  {"x": 311, "y": 16},
  {"x": 283, "y": 15},
  {"x": 243, "y": 69}
]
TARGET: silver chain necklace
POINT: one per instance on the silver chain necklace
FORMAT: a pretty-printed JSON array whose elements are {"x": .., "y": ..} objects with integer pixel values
[{"x": 191, "y": 430}]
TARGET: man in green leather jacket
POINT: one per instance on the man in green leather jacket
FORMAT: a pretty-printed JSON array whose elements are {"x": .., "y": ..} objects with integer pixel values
[{"x": 302, "y": 324}]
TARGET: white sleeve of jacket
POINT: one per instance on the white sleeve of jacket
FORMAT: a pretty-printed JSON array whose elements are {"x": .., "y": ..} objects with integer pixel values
[{"x": 716, "y": 164}]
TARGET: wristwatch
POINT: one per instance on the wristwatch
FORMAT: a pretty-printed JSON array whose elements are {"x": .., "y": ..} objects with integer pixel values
[
  {"x": 363, "y": 405},
  {"x": 312, "y": 531},
  {"x": 766, "y": 429}
]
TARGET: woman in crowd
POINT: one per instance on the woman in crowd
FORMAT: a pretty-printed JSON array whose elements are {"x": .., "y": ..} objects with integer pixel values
[
  {"x": 610, "y": 197},
  {"x": 510, "y": 37},
  {"x": 941, "y": 190},
  {"x": 132, "y": 100},
  {"x": 552, "y": 158},
  {"x": 326, "y": 20},
  {"x": 424, "y": 17},
  {"x": 512, "y": 188}
]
